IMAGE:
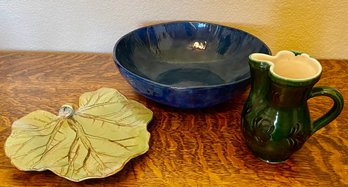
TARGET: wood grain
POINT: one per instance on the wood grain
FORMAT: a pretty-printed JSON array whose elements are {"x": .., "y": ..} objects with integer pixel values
[{"x": 187, "y": 147}]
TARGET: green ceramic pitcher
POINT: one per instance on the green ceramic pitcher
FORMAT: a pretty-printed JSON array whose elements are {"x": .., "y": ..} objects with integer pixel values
[{"x": 275, "y": 118}]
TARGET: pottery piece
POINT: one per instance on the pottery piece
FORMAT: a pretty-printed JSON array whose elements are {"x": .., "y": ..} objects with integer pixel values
[
  {"x": 187, "y": 64},
  {"x": 275, "y": 118}
]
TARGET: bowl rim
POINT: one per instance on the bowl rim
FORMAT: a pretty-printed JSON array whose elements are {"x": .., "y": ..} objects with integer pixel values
[{"x": 178, "y": 87}]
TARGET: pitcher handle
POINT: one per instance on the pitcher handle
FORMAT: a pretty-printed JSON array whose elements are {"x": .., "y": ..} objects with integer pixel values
[{"x": 336, "y": 109}]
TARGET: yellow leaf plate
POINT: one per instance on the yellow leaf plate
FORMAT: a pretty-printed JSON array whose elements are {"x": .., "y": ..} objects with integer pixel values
[{"x": 94, "y": 141}]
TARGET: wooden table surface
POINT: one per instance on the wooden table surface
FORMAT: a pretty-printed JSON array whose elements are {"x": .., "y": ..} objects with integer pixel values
[{"x": 187, "y": 147}]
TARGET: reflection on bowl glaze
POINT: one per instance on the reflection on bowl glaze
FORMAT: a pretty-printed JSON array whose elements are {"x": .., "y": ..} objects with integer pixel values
[{"x": 187, "y": 64}]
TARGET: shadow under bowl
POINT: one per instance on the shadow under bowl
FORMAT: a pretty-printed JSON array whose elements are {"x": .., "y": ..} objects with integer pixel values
[{"x": 187, "y": 64}]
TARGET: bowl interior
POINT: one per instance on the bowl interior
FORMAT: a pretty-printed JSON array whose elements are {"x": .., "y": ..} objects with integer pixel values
[{"x": 188, "y": 54}]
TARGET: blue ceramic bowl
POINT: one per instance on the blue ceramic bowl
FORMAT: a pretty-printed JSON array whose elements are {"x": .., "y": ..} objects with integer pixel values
[{"x": 187, "y": 64}]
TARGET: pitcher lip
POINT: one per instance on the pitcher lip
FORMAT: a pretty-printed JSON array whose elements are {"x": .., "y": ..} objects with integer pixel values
[{"x": 288, "y": 54}]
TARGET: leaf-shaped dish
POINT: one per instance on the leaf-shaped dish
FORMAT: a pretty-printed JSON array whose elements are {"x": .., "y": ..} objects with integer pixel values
[{"x": 94, "y": 141}]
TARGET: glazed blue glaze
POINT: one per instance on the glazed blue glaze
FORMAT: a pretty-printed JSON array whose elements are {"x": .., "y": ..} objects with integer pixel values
[{"x": 187, "y": 64}]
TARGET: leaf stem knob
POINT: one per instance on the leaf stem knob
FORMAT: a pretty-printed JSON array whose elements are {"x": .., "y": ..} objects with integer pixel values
[{"x": 66, "y": 111}]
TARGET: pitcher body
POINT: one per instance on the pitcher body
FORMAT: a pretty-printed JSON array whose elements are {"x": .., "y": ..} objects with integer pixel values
[{"x": 276, "y": 120}]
